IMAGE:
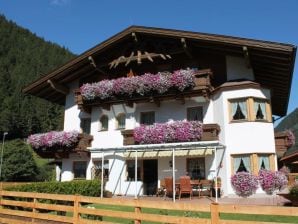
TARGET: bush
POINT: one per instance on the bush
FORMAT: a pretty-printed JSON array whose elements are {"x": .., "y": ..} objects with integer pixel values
[
  {"x": 294, "y": 190},
  {"x": 81, "y": 187},
  {"x": 245, "y": 184}
]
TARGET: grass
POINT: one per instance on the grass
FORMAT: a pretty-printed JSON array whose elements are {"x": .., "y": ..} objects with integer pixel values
[{"x": 204, "y": 215}]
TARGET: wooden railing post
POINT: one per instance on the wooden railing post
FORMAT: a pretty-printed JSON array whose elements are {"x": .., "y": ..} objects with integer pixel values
[
  {"x": 138, "y": 210},
  {"x": 76, "y": 204},
  {"x": 214, "y": 213}
]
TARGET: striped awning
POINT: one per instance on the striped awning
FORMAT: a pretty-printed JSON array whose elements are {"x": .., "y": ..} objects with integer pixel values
[{"x": 168, "y": 153}]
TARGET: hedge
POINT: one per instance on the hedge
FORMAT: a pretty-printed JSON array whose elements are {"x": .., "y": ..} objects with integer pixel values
[{"x": 89, "y": 188}]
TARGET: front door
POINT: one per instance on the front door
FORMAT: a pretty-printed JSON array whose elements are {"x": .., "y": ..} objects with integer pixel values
[{"x": 150, "y": 176}]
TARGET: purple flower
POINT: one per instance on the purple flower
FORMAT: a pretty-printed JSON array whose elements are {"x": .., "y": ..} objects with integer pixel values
[
  {"x": 245, "y": 184},
  {"x": 141, "y": 85},
  {"x": 177, "y": 131},
  {"x": 53, "y": 139},
  {"x": 271, "y": 181}
]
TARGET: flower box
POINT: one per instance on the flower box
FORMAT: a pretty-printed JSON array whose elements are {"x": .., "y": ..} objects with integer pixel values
[
  {"x": 210, "y": 133},
  {"x": 47, "y": 146},
  {"x": 145, "y": 88}
]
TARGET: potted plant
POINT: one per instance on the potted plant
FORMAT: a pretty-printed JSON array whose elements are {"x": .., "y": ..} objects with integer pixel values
[{"x": 245, "y": 184}]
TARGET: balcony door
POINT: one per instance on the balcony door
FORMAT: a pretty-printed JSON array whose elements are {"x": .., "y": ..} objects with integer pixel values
[{"x": 150, "y": 176}]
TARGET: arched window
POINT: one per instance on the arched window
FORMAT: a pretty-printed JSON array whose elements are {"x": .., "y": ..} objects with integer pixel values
[
  {"x": 104, "y": 123},
  {"x": 121, "y": 121}
]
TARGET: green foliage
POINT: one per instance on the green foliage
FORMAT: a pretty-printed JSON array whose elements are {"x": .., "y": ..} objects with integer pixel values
[
  {"x": 24, "y": 57},
  {"x": 81, "y": 187},
  {"x": 18, "y": 162},
  {"x": 294, "y": 190}
]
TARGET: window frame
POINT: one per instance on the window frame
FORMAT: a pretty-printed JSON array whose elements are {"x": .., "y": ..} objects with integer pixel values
[
  {"x": 101, "y": 123},
  {"x": 146, "y": 113},
  {"x": 188, "y": 110},
  {"x": 233, "y": 100},
  {"x": 73, "y": 169},
  {"x": 139, "y": 170},
  {"x": 106, "y": 170},
  {"x": 82, "y": 120},
  {"x": 117, "y": 121},
  {"x": 201, "y": 172}
]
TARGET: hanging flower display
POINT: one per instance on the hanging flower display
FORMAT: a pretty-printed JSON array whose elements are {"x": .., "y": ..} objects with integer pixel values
[
  {"x": 177, "y": 131},
  {"x": 271, "y": 181},
  {"x": 245, "y": 184},
  {"x": 141, "y": 85},
  {"x": 53, "y": 139}
]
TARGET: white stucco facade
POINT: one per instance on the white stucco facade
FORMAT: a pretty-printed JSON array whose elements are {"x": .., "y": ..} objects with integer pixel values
[{"x": 245, "y": 137}]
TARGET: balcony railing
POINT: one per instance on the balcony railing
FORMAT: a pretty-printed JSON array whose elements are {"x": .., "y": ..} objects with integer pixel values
[
  {"x": 202, "y": 87},
  {"x": 84, "y": 141},
  {"x": 210, "y": 133}
]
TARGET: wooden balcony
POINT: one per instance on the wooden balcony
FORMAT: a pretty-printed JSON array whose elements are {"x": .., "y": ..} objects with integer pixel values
[
  {"x": 281, "y": 143},
  {"x": 63, "y": 152},
  {"x": 210, "y": 133},
  {"x": 202, "y": 87}
]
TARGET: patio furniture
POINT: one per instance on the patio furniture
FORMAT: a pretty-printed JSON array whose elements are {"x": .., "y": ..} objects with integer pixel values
[
  {"x": 161, "y": 191},
  {"x": 205, "y": 188},
  {"x": 169, "y": 187},
  {"x": 185, "y": 186}
]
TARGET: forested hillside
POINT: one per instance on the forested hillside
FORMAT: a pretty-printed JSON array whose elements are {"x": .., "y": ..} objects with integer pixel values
[
  {"x": 25, "y": 57},
  {"x": 290, "y": 123}
]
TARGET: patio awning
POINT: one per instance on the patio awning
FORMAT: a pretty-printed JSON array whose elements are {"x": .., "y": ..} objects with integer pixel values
[{"x": 168, "y": 153}]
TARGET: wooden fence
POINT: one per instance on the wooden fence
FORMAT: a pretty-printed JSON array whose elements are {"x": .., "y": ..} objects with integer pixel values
[{"x": 25, "y": 207}]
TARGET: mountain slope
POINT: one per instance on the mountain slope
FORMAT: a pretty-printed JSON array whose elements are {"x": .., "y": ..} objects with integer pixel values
[{"x": 24, "y": 57}]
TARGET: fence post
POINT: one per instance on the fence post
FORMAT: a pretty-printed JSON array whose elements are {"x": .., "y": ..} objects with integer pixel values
[
  {"x": 34, "y": 207},
  {"x": 138, "y": 211},
  {"x": 76, "y": 204},
  {"x": 214, "y": 213}
]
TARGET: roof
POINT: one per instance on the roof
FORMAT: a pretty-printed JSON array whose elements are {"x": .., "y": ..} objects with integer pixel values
[
  {"x": 293, "y": 157},
  {"x": 272, "y": 63}
]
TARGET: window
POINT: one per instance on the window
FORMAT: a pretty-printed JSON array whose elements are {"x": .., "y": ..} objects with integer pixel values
[
  {"x": 121, "y": 121},
  {"x": 85, "y": 125},
  {"x": 79, "y": 169},
  {"x": 104, "y": 123},
  {"x": 130, "y": 170},
  {"x": 195, "y": 114},
  {"x": 239, "y": 109},
  {"x": 250, "y": 109},
  {"x": 147, "y": 118},
  {"x": 96, "y": 170},
  {"x": 196, "y": 168},
  {"x": 241, "y": 163},
  {"x": 263, "y": 162},
  {"x": 260, "y": 109}
]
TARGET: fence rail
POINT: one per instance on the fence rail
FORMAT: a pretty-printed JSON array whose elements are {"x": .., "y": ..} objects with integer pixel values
[{"x": 25, "y": 207}]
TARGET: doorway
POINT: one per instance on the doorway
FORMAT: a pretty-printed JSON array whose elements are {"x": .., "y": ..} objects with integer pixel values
[{"x": 150, "y": 176}]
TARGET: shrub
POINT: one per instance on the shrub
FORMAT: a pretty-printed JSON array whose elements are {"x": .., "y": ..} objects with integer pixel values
[
  {"x": 245, "y": 184},
  {"x": 81, "y": 187},
  {"x": 271, "y": 181},
  {"x": 294, "y": 190}
]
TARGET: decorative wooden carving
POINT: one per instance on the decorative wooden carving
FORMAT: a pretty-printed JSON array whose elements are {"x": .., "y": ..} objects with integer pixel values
[{"x": 58, "y": 87}]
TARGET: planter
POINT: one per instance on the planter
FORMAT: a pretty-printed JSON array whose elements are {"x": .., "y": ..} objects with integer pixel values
[{"x": 292, "y": 198}]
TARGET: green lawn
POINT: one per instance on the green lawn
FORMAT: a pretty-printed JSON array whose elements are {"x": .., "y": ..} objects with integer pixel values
[{"x": 226, "y": 216}]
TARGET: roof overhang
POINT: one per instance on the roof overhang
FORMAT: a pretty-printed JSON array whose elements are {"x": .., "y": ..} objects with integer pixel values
[{"x": 273, "y": 63}]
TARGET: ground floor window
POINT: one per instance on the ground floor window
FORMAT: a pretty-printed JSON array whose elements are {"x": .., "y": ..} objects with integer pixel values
[
  {"x": 79, "y": 169},
  {"x": 252, "y": 163},
  {"x": 130, "y": 170},
  {"x": 196, "y": 168},
  {"x": 97, "y": 168}
]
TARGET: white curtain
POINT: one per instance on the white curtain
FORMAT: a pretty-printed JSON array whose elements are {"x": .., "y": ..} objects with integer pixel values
[
  {"x": 262, "y": 106},
  {"x": 237, "y": 161},
  {"x": 234, "y": 107},
  {"x": 243, "y": 108},
  {"x": 246, "y": 162},
  {"x": 265, "y": 160}
]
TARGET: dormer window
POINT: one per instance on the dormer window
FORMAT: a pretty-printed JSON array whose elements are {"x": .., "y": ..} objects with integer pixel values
[
  {"x": 121, "y": 121},
  {"x": 239, "y": 109}
]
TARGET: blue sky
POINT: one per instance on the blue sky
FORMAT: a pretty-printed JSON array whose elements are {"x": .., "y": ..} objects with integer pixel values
[{"x": 79, "y": 25}]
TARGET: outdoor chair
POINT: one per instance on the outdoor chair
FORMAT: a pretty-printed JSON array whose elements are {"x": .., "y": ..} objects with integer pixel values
[
  {"x": 205, "y": 188},
  {"x": 169, "y": 187},
  {"x": 185, "y": 186}
]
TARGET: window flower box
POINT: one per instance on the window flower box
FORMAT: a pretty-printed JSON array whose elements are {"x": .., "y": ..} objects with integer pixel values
[
  {"x": 145, "y": 88},
  {"x": 58, "y": 144},
  {"x": 209, "y": 132}
]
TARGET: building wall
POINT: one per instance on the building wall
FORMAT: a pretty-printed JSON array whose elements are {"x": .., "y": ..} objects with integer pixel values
[{"x": 237, "y": 69}]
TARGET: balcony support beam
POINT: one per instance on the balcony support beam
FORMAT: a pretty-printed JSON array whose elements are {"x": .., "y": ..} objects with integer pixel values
[{"x": 58, "y": 87}]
